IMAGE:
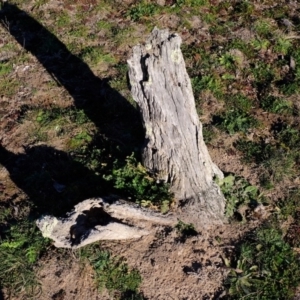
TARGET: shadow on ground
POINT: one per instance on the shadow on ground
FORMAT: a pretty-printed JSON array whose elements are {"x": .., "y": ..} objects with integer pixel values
[
  {"x": 52, "y": 179},
  {"x": 104, "y": 106}
]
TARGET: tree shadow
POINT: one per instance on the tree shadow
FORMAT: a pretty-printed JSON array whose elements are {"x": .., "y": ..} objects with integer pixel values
[
  {"x": 104, "y": 106},
  {"x": 42, "y": 170},
  {"x": 52, "y": 179}
]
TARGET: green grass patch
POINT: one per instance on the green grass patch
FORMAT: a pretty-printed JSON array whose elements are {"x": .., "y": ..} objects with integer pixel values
[
  {"x": 265, "y": 267},
  {"x": 141, "y": 10},
  {"x": 208, "y": 82},
  {"x": 238, "y": 193},
  {"x": 79, "y": 140},
  {"x": 264, "y": 28},
  {"x": 278, "y": 160},
  {"x": 63, "y": 20},
  {"x": 276, "y": 105},
  {"x": 8, "y": 86},
  {"x": 112, "y": 273},
  {"x": 5, "y": 68},
  {"x": 21, "y": 246},
  {"x": 61, "y": 122},
  {"x": 192, "y": 3},
  {"x": 96, "y": 55},
  {"x": 235, "y": 120},
  {"x": 185, "y": 229},
  {"x": 133, "y": 180}
]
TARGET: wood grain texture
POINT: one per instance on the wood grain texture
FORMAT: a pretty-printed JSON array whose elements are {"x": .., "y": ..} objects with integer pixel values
[{"x": 174, "y": 147}]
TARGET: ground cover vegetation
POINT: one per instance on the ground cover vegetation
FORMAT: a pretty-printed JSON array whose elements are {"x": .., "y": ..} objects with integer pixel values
[{"x": 70, "y": 129}]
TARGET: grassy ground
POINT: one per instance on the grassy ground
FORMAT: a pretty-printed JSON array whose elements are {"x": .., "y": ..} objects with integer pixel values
[{"x": 70, "y": 129}]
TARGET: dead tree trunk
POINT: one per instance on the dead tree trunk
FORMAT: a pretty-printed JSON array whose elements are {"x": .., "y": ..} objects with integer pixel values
[{"x": 174, "y": 147}]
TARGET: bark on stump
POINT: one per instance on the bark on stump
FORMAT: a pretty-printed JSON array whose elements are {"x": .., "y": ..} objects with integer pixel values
[{"x": 174, "y": 147}]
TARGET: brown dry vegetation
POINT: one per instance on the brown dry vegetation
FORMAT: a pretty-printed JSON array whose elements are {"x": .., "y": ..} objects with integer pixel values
[{"x": 67, "y": 115}]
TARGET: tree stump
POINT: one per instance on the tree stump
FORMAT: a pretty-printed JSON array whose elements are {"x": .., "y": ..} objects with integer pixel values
[{"x": 174, "y": 148}]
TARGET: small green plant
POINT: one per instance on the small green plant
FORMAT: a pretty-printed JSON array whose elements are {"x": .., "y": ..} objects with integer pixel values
[
  {"x": 60, "y": 121},
  {"x": 238, "y": 193},
  {"x": 111, "y": 273},
  {"x": 59, "y": 116},
  {"x": 260, "y": 44},
  {"x": 276, "y": 105},
  {"x": 236, "y": 120},
  {"x": 191, "y": 3},
  {"x": 239, "y": 102},
  {"x": 254, "y": 151},
  {"x": 265, "y": 267},
  {"x": 185, "y": 229},
  {"x": 141, "y": 10},
  {"x": 208, "y": 82},
  {"x": 289, "y": 138},
  {"x": 290, "y": 88},
  {"x": 228, "y": 61},
  {"x": 80, "y": 139},
  {"x": 244, "y": 8},
  {"x": 5, "y": 68},
  {"x": 263, "y": 28},
  {"x": 63, "y": 20},
  {"x": 8, "y": 86},
  {"x": 102, "y": 24},
  {"x": 282, "y": 46},
  {"x": 5, "y": 212},
  {"x": 263, "y": 73},
  {"x": 96, "y": 55},
  {"x": 289, "y": 206},
  {"x": 20, "y": 249},
  {"x": 133, "y": 180}
]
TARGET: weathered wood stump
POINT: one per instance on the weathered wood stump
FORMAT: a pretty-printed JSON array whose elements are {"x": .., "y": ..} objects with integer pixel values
[{"x": 174, "y": 147}]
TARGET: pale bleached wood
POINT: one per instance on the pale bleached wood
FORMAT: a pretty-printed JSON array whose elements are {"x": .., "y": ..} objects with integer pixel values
[{"x": 174, "y": 147}]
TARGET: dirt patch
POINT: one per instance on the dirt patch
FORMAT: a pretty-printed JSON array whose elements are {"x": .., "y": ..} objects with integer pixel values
[
  {"x": 64, "y": 278},
  {"x": 171, "y": 268}
]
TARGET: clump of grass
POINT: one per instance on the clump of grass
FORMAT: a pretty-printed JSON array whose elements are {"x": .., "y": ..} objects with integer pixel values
[
  {"x": 264, "y": 28},
  {"x": 278, "y": 159},
  {"x": 61, "y": 122},
  {"x": 112, "y": 273},
  {"x": 289, "y": 209},
  {"x": 5, "y": 68},
  {"x": 235, "y": 120},
  {"x": 185, "y": 229},
  {"x": 276, "y": 105},
  {"x": 134, "y": 181},
  {"x": 238, "y": 193},
  {"x": 8, "y": 86},
  {"x": 208, "y": 82},
  {"x": 228, "y": 61},
  {"x": 21, "y": 246},
  {"x": 142, "y": 9},
  {"x": 191, "y": 3},
  {"x": 80, "y": 139},
  {"x": 96, "y": 55},
  {"x": 265, "y": 267}
]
